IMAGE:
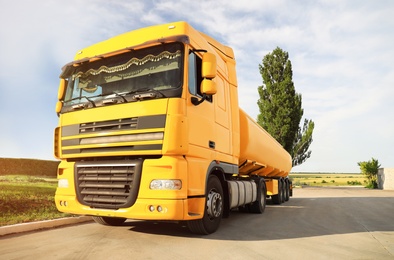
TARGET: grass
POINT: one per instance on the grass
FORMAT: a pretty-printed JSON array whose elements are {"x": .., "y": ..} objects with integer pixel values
[
  {"x": 328, "y": 179},
  {"x": 24, "y": 195},
  {"x": 27, "y": 198}
]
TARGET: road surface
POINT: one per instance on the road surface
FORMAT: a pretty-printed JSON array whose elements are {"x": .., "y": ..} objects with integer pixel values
[{"x": 317, "y": 223}]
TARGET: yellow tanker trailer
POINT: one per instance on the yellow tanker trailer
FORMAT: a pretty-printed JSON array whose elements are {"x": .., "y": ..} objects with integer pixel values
[{"x": 262, "y": 155}]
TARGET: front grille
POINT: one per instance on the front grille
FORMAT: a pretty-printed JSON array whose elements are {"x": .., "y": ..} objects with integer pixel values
[
  {"x": 109, "y": 185},
  {"x": 125, "y": 135}
]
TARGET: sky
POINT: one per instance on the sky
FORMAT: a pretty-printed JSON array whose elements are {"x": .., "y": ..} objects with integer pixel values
[{"x": 341, "y": 53}]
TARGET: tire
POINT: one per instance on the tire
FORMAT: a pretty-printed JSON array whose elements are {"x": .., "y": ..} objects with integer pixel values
[
  {"x": 283, "y": 190},
  {"x": 213, "y": 212},
  {"x": 277, "y": 199},
  {"x": 287, "y": 190},
  {"x": 108, "y": 221},
  {"x": 259, "y": 205}
]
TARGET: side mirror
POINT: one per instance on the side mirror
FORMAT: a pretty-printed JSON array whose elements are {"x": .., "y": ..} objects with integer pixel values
[
  {"x": 208, "y": 69},
  {"x": 59, "y": 106},
  {"x": 208, "y": 72},
  {"x": 60, "y": 95},
  {"x": 208, "y": 87},
  {"x": 62, "y": 89}
]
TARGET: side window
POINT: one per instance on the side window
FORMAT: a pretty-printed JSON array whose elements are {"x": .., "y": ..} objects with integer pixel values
[{"x": 195, "y": 78}]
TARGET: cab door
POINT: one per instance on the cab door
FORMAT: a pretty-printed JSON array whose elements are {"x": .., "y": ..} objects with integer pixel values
[{"x": 201, "y": 117}]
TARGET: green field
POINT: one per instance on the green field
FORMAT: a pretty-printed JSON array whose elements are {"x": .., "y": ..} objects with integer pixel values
[
  {"x": 27, "y": 189},
  {"x": 26, "y": 198},
  {"x": 328, "y": 179}
]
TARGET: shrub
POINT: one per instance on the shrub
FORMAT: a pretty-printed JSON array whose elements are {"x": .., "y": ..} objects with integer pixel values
[
  {"x": 354, "y": 183},
  {"x": 370, "y": 170}
]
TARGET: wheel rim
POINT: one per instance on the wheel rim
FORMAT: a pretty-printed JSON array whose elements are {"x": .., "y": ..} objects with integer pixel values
[{"x": 214, "y": 204}]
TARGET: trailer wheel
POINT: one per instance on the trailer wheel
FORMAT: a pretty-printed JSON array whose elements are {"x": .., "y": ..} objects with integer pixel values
[
  {"x": 283, "y": 190},
  {"x": 213, "y": 211},
  {"x": 108, "y": 221},
  {"x": 277, "y": 199},
  {"x": 259, "y": 205},
  {"x": 287, "y": 190}
]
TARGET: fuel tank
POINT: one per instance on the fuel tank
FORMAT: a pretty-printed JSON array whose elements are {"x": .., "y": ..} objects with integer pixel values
[{"x": 260, "y": 153}]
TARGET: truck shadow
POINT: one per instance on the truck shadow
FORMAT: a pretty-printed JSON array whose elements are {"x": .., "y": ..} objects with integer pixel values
[{"x": 298, "y": 218}]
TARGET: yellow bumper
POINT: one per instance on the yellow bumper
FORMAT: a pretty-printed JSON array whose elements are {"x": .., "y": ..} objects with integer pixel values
[{"x": 143, "y": 209}]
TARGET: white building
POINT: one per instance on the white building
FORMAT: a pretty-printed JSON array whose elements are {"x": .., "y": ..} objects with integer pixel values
[{"x": 386, "y": 178}]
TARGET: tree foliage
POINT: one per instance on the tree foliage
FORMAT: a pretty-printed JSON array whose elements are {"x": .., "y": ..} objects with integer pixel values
[
  {"x": 370, "y": 170},
  {"x": 302, "y": 142},
  {"x": 281, "y": 107}
]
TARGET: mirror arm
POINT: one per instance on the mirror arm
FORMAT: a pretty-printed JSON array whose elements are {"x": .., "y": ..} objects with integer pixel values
[{"x": 197, "y": 102}]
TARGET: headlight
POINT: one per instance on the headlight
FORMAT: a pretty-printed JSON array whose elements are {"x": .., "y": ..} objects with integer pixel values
[
  {"x": 165, "y": 185},
  {"x": 62, "y": 183}
]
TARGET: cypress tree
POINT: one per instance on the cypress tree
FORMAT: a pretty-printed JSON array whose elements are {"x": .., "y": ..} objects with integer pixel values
[{"x": 281, "y": 106}]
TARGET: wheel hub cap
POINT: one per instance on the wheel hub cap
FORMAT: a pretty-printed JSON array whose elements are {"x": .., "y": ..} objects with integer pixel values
[{"x": 214, "y": 204}]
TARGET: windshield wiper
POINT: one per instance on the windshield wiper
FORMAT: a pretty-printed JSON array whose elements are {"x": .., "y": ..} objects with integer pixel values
[
  {"x": 142, "y": 93},
  {"x": 82, "y": 105},
  {"x": 91, "y": 101},
  {"x": 121, "y": 96},
  {"x": 110, "y": 100},
  {"x": 138, "y": 94}
]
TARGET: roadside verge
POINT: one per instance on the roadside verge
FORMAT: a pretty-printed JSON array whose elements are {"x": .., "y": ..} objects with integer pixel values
[{"x": 32, "y": 226}]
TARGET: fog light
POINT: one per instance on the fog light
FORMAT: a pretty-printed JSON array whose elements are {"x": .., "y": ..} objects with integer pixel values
[
  {"x": 165, "y": 185},
  {"x": 151, "y": 208},
  {"x": 159, "y": 209},
  {"x": 63, "y": 203}
]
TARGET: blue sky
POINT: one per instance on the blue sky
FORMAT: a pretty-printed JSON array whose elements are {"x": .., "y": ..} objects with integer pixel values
[{"x": 341, "y": 51}]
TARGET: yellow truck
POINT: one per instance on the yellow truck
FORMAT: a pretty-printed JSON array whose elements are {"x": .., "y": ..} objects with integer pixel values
[{"x": 150, "y": 129}]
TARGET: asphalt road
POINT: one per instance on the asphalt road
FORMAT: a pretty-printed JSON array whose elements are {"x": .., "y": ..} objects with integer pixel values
[{"x": 317, "y": 223}]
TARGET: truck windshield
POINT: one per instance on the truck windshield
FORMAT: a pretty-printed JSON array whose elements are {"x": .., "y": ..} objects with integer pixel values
[{"x": 156, "y": 70}]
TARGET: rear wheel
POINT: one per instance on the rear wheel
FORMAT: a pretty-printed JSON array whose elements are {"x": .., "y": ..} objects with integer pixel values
[
  {"x": 108, "y": 221},
  {"x": 213, "y": 210},
  {"x": 283, "y": 190},
  {"x": 259, "y": 205},
  {"x": 287, "y": 190},
  {"x": 277, "y": 199}
]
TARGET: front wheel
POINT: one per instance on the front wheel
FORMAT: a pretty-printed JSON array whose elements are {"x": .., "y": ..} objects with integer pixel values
[
  {"x": 213, "y": 212},
  {"x": 108, "y": 221}
]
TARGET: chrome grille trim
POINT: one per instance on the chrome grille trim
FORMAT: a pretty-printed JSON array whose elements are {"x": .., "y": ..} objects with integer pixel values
[{"x": 119, "y": 124}]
